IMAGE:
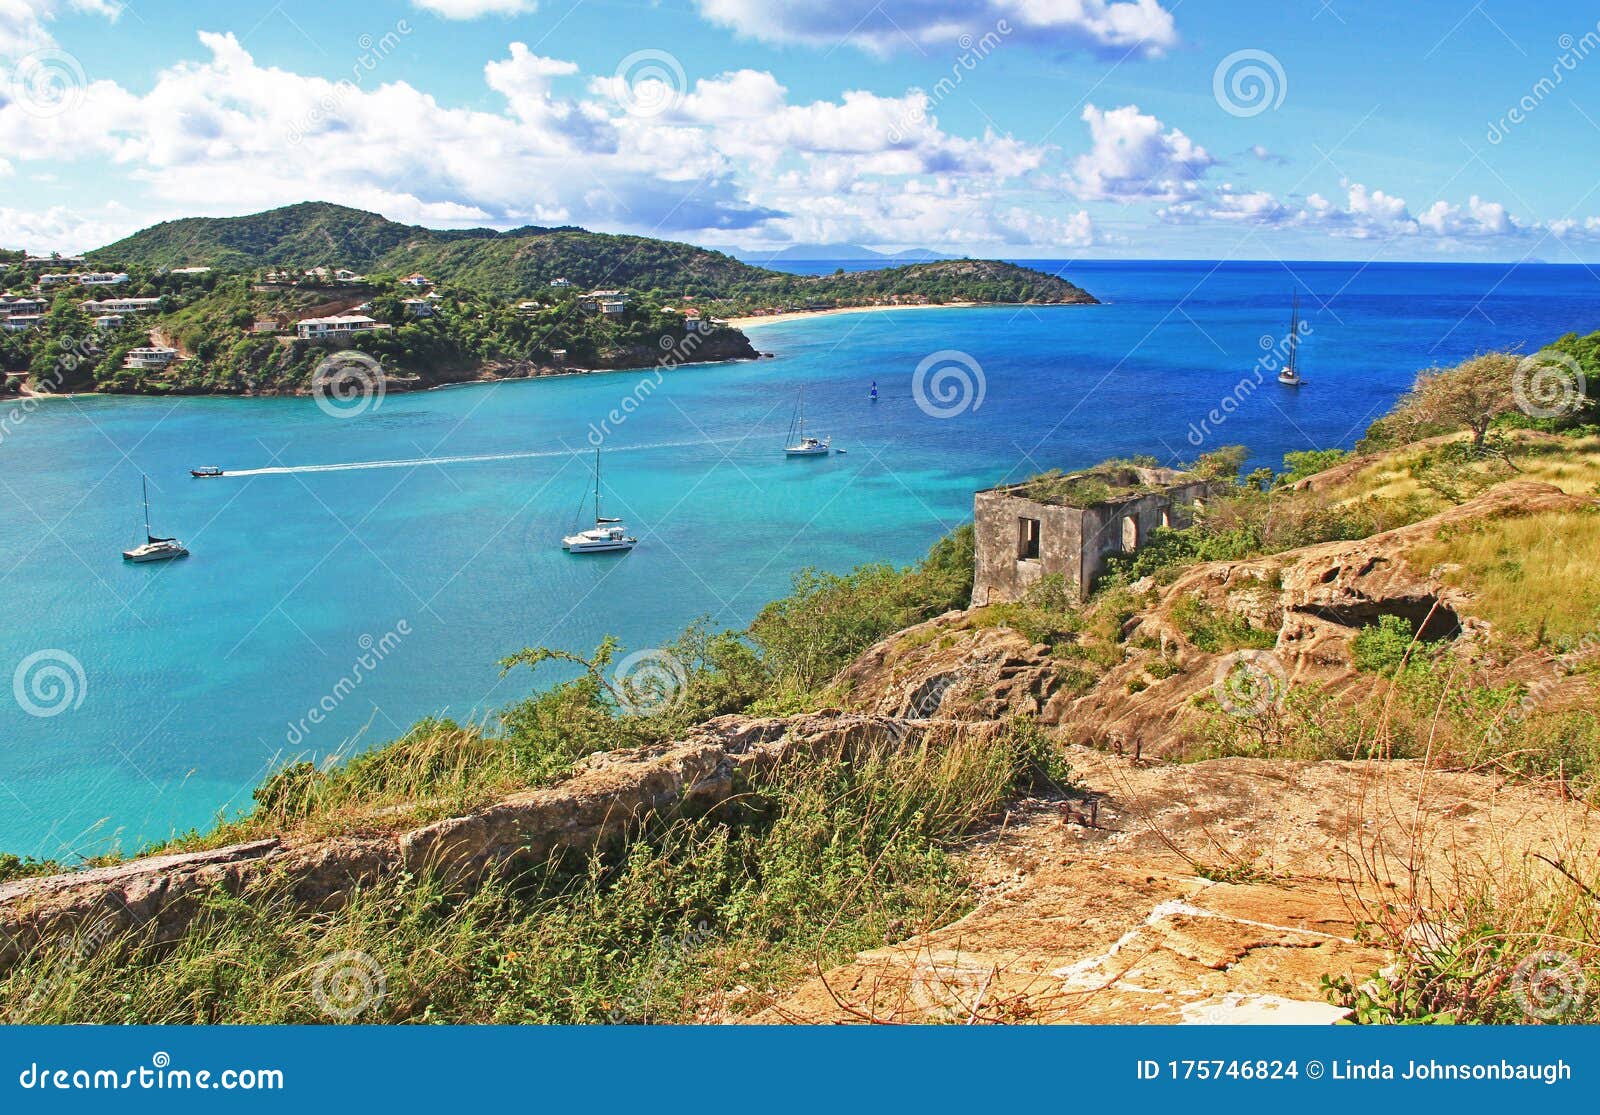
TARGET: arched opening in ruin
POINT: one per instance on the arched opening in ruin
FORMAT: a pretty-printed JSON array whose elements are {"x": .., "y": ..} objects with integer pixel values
[
  {"x": 1166, "y": 519},
  {"x": 1130, "y": 534}
]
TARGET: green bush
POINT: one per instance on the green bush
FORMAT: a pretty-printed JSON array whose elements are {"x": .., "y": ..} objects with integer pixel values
[{"x": 1382, "y": 648}]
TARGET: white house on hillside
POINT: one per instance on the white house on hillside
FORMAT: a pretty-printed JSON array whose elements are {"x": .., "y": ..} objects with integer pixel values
[
  {"x": 340, "y": 325},
  {"x": 103, "y": 278}
]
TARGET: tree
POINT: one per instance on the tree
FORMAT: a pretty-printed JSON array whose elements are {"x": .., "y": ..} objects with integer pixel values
[{"x": 1469, "y": 396}]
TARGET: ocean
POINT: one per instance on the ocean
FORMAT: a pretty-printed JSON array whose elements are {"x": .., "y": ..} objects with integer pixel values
[{"x": 352, "y": 580}]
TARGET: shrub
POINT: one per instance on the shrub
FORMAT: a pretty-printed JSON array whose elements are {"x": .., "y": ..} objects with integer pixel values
[{"x": 1382, "y": 648}]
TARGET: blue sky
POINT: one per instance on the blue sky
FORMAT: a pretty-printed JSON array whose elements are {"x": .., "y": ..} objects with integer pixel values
[{"x": 1299, "y": 129}]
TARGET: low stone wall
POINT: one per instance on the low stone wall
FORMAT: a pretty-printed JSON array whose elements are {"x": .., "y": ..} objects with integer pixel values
[{"x": 593, "y": 810}]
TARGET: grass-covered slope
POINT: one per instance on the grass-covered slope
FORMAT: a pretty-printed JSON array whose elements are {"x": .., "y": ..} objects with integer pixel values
[{"x": 521, "y": 262}]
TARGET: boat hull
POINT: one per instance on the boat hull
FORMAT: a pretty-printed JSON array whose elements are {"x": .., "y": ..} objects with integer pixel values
[
  {"x": 144, "y": 554},
  {"x": 586, "y": 546},
  {"x": 806, "y": 451}
]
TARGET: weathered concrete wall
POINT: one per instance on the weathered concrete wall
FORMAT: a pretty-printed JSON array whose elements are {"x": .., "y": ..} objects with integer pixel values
[
  {"x": 593, "y": 810},
  {"x": 1104, "y": 524},
  {"x": 999, "y": 577},
  {"x": 1074, "y": 542}
]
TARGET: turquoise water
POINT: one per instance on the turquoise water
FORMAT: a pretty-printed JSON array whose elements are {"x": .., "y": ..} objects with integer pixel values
[{"x": 198, "y": 676}]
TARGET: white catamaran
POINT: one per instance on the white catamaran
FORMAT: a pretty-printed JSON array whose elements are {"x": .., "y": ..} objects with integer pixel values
[
  {"x": 608, "y": 535},
  {"x": 154, "y": 549},
  {"x": 798, "y": 444},
  {"x": 1290, "y": 375}
]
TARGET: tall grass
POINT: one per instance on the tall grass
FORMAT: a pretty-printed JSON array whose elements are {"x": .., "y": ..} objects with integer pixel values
[
  {"x": 698, "y": 917},
  {"x": 1532, "y": 576}
]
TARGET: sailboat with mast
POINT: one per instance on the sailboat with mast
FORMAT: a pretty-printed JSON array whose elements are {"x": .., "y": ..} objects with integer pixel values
[
  {"x": 154, "y": 549},
  {"x": 799, "y": 444},
  {"x": 607, "y": 535},
  {"x": 1290, "y": 375}
]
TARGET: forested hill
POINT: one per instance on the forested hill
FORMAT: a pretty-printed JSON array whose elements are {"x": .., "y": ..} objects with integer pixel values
[{"x": 521, "y": 262}]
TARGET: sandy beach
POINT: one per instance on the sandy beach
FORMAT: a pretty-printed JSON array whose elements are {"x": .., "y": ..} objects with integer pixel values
[{"x": 773, "y": 319}]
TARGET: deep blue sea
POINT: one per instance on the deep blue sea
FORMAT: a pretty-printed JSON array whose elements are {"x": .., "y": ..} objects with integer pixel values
[{"x": 199, "y": 675}]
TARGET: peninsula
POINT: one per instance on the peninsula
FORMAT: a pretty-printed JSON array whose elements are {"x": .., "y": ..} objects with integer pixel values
[{"x": 253, "y": 305}]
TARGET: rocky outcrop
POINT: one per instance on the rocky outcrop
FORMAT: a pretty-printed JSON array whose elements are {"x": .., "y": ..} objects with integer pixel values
[
  {"x": 1213, "y": 892},
  {"x": 610, "y": 796},
  {"x": 1309, "y": 603}
]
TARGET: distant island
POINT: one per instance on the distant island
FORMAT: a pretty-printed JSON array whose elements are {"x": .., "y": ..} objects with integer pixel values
[
  {"x": 252, "y": 305},
  {"x": 828, "y": 253}
]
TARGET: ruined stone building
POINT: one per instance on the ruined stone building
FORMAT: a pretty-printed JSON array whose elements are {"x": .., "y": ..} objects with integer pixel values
[{"x": 1069, "y": 524}]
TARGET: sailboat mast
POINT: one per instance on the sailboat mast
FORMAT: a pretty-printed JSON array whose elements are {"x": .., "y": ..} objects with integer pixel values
[
  {"x": 1294, "y": 332},
  {"x": 597, "y": 483},
  {"x": 144, "y": 486}
]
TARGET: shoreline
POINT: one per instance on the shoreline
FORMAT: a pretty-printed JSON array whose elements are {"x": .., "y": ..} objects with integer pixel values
[{"x": 743, "y": 323}]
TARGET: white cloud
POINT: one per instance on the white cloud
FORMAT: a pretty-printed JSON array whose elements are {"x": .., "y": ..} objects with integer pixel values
[
  {"x": 1141, "y": 27},
  {"x": 24, "y": 23},
  {"x": 476, "y": 9},
  {"x": 732, "y": 158},
  {"x": 1132, "y": 158}
]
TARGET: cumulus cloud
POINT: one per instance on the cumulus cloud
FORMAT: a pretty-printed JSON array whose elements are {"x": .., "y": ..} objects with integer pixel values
[
  {"x": 1134, "y": 156},
  {"x": 732, "y": 157},
  {"x": 1117, "y": 27},
  {"x": 24, "y": 24},
  {"x": 476, "y": 9}
]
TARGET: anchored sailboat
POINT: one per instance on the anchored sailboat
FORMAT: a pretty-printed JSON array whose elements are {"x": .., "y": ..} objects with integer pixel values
[
  {"x": 608, "y": 535},
  {"x": 1290, "y": 375},
  {"x": 154, "y": 549},
  {"x": 798, "y": 443}
]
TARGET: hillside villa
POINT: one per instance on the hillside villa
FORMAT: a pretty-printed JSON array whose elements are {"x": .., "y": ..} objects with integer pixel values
[
  {"x": 155, "y": 356},
  {"x": 332, "y": 328},
  {"x": 118, "y": 305}
]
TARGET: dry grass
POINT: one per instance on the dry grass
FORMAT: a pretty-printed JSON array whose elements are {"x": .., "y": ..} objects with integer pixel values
[{"x": 1532, "y": 577}]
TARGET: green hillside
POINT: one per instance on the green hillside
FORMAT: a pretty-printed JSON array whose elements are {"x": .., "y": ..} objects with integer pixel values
[{"x": 521, "y": 262}]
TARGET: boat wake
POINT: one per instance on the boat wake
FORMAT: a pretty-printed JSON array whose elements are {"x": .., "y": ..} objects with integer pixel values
[{"x": 421, "y": 462}]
